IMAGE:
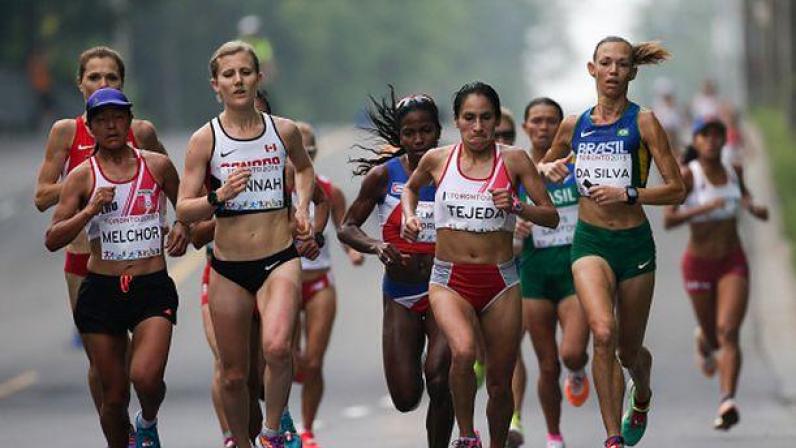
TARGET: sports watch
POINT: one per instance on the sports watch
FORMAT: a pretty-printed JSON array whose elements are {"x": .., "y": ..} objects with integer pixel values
[
  {"x": 632, "y": 194},
  {"x": 212, "y": 199}
]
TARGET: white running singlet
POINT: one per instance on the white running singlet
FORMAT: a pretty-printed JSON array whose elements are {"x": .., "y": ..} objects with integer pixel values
[
  {"x": 703, "y": 192},
  {"x": 130, "y": 227},
  {"x": 463, "y": 203},
  {"x": 265, "y": 155}
]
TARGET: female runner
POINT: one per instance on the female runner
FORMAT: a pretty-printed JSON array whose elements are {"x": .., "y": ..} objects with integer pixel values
[
  {"x": 119, "y": 194},
  {"x": 70, "y": 143},
  {"x": 549, "y": 292},
  {"x": 412, "y": 126},
  {"x": 474, "y": 278},
  {"x": 243, "y": 152},
  {"x": 613, "y": 253},
  {"x": 715, "y": 270}
]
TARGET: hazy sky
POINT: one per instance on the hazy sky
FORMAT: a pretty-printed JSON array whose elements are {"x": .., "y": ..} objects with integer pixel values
[{"x": 588, "y": 22}]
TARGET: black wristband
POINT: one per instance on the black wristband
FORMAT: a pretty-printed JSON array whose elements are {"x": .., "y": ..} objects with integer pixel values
[
  {"x": 632, "y": 195},
  {"x": 212, "y": 199}
]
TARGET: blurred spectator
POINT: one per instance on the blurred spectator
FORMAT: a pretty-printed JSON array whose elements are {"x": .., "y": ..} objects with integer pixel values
[
  {"x": 706, "y": 103},
  {"x": 40, "y": 79},
  {"x": 669, "y": 115}
]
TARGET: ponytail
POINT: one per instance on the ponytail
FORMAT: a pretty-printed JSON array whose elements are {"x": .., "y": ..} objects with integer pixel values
[
  {"x": 650, "y": 53},
  {"x": 644, "y": 53}
]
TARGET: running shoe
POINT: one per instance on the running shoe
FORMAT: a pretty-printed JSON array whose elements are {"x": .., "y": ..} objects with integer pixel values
[
  {"x": 576, "y": 388},
  {"x": 131, "y": 438},
  {"x": 555, "y": 441},
  {"x": 263, "y": 441},
  {"x": 516, "y": 437},
  {"x": 634, "y": 422},
  {"x": 229, "y": 442},
  {"x": 467, "y": 442},
  {"x": 288, "y": 428},
  {"x": 615, "y": 442},
  {"x": 146, "y": 437},
  {"x": 728, "y": 415},
  {"x": 308, "y": 440},
  {"x": 704, "y": 355},
  {"x": 480, "y": 373}
]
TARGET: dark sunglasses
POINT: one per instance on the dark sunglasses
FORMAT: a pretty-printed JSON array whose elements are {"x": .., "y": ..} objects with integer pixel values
[{"x": 505, "y": 135}]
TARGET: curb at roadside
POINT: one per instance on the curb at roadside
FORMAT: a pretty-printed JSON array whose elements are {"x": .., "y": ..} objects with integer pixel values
[{"x": 773, "y": 289}]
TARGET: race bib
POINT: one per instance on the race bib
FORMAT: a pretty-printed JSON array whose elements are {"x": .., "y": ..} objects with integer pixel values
[
  {"x": 425, "y": 213},
  {"x": 603, "y": 168},
  {"x": 264, "y": 189},
  {"x": 131, "y": 237},
  {"x": 561, "y": 235}
]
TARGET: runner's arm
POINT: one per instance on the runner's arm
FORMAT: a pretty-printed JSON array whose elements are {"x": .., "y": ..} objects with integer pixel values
[
  {"x": 673, "y": 215},
  {"x": 70, "y": 217},
  {"x": 56, "y": 152},
  {"x": 542, "y": 212},
  {"x": 203, "y": 232},
  {"x": 147, "y": 137},
  {"x": 192, "y": 204},
  {"x": 370, "y": 192},
  {"x": 554, "y": 163},
  {"x": 179, "y": 235},
  {"x": 673, "y": 189},
  {"x": 757, "y": 210},
  {"x": 304, "y": 176},
  {"x": 338, "y": 206}
]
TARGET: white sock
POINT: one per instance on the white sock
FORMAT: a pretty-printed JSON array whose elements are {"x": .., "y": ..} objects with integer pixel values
[{"x": 144, "y": 423}]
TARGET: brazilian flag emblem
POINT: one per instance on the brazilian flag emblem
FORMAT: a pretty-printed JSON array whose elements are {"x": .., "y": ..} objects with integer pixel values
[{"x": 624, "y": 132}]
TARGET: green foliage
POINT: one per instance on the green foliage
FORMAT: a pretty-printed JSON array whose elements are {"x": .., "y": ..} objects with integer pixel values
[
  {"x": 782, "y": 159},
  {"x": 329, "y": 54}
]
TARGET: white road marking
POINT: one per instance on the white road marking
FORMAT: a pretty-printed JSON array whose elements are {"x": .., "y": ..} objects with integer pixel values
[
  {"x": 355, "y": 412},
  {"x": 18, "y": 383}
]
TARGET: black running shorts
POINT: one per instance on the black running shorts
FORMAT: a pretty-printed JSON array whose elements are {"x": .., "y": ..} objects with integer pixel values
[{"x": 115, "y": 305}]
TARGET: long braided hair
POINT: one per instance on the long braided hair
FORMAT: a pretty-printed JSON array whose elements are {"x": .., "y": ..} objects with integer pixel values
[{"x": 386, "y": 115}]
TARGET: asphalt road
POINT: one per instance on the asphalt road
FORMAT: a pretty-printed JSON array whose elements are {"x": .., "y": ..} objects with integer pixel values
[{"x": 44, "y": 398}]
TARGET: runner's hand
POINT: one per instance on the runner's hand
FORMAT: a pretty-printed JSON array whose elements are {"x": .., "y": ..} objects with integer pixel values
[
  {"x": 303, "y": 228},
  {"x": 410, "y": 231},
  {"x": 502, "y": 198},
  {"x": 522, "y": 229},
  {"x": 177, "y": 239},
  {"x": 390, "y": 255},
  {"x": 758, "y": 211},
  {"x": 235, "y": 184},
  {"x": 102, "y": 196},
  {"x": 604, "y": 195},
  {"x": 555, "y": 171},
  {"x": 355, "y": 257},
  {"x": 308, "y": 248}
]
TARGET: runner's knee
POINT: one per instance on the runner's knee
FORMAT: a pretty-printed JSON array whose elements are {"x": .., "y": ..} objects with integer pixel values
[
  {"x": 573, "y": 359},
  {"x": 278, "y": 352},
  {"x": 549, "y": 368},
  {"x": 462, "y": 358},
  {"x": 234, "y": 379},
  {"x": 604, "y": 334}
]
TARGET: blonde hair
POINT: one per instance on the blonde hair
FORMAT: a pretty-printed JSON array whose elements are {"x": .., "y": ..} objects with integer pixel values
[
  {"x": 230, "y": 48},
  {"x": 643, "y": 53}
]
